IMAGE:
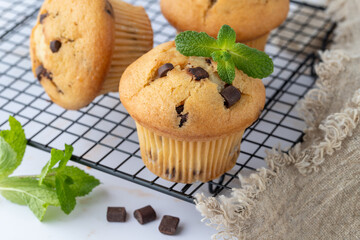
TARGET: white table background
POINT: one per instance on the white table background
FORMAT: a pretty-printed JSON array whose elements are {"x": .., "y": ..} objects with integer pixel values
[{"x": 88, "y": 220}]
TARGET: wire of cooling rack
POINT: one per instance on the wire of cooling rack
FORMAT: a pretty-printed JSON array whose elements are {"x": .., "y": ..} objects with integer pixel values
[{"x": 104, "y": 135}]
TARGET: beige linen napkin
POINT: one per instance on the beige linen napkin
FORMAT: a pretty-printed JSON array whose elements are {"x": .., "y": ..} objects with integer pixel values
[{"x": 313, "y": 191}]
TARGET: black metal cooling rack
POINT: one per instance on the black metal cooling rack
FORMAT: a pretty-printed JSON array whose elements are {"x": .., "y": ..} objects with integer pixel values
[{"x": 104, "y": 135}]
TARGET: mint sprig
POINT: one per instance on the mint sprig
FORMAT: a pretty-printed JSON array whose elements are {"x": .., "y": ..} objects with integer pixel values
[
  {"x": 57, "y": 185},
  {"x": 226, "y": 52}
]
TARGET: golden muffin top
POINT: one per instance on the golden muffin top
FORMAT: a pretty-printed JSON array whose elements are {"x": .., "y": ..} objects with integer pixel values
[{"x": 184, "y": 98}]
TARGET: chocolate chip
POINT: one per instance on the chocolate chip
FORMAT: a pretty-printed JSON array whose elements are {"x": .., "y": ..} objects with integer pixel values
[
  {"x": 55, "y": 46},
  {"x": 169, "y": 225},
  {"x": 199, "y": 73},
  {"x": 183, "y": 119},
  {"x": 231, "y": 95},
  {"x": 116, "y": 214},
  {"x": 172, "y": 174},
  {"x": 109, "y": 9},
  {"x": 179, "y": 109},
  {"x": 208, "y": 61},
  {"x": 42, "y": 17},
  {"x": 40, "y": 72},
  {"x": 164, "y": 69},
  {"x": 145, "y": 214}
]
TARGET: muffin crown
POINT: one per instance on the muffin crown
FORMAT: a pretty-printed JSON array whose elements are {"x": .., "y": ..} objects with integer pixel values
[
  {"x": 71, "y": 48},
  {"x": 250, "y": 18},
  {"x": 184, "y": 98}
]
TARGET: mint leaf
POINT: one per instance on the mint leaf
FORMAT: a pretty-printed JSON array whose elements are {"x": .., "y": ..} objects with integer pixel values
[
  {"x": 226, "y": 37},
  {"x": 54, "y": 186},
  {"x": 8, "y": 159},
  {"x": 225, "y": 66},
  {"x": 64, "y": 193},
  {"x": 251, "y": 61},
  {"x": 190, "y": 43},
  {"x": 15, "y": 137},
  {"x": 26, "y": 191},
  {"x": 70, "y": 182},
  {"x": 82, "y": 185},
  {"x": 56, "y": 156}
]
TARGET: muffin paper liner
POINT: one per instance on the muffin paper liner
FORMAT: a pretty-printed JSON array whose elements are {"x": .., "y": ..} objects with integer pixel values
[
  {"x": 133, "y": 38},
  {"x": 188, "y": 161}
]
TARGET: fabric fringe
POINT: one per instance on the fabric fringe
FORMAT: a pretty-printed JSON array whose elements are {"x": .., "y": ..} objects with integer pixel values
[{"x": 228, "y": 214}]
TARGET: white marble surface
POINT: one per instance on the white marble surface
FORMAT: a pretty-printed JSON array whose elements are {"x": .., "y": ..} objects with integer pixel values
[{"x": 88, "y": 220}]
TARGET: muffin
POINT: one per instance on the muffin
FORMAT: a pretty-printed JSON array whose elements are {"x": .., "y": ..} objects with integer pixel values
[
  {"x": 189, "y": 122},
  {"x": 251, "y": 19},
  {"x": 79, "y": 49}
]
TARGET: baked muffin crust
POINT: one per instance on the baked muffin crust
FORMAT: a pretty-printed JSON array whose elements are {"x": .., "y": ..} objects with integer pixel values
[
  {"x": 154, "y": 101},
  {"x": 71, "y": 48},
  {"x": 249, "y": 18}
]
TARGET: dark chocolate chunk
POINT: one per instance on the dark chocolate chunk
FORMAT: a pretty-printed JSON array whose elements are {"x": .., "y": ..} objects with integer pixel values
[
  {"x": 231, "y": 95},
  {"x": 42, "y": 17},
  {"x": 183, "y": 119},
  {"x": 208, "y": 61},
  {"x": 116, "y": 214},
  {"x": 109, "y": 9},
  {"x": 164, "y": 69},
  {"x": 145, "y": 214},
  {"x": 199, "y": 73},
  {"x": 179, "y": 109},
  {"x": 55, "y": 46},
  {"x": 40, "y": 70},
  {"x": 169, "y": 225}
]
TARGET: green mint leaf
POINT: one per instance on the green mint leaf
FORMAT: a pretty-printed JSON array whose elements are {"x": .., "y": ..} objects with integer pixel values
[
  {"x": 190, "y": 43},
  {"x": 226, "y": 37},
  {"x": 8, "y": 159},
  {"x": 15, "y": 137},
  {"x": 64, "y": 193},
  {"x": 26, "y": 191},
  {"x": 56, "y": 156},
  {"x": 251, "y": 61},
  {"x": 225, "y": 66},
  {"x": 82, "y": 185}
]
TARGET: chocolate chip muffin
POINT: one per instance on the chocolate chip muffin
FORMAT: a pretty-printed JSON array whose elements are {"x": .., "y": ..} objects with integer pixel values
[
  {"x": 189, "y": 122},
  {"x": 79, "y": 49},
  {"x": 251, "y": 19}
]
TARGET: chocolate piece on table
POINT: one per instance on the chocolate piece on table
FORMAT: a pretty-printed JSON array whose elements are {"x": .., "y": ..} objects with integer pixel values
[
  {"x": 180, "y": 109},
  {"x": 116, "y": 214},
  {"x": 183, "y": 119},
  {"x": 231, "y": 95},
  {"x": 145, "y": 214},
  {"x": 42, "y": 17},
  {"x": 169, "y": 225},
  {"x": 199, "y": 73},
  {"x": 55, "y": 46},
  {"x": 164, "y": 69}
]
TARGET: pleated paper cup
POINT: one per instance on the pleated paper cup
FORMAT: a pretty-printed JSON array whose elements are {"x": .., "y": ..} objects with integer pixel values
[
  {"x": 133, "y": 38},
  {"x": 188, "y": 161},
  {"x": 258, "y": 43}
]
